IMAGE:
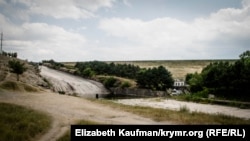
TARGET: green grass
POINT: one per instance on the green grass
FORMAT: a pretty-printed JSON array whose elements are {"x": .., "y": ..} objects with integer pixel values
[
  {"x": 21, "y": 124},
  {"x": 66, "y": 136}
]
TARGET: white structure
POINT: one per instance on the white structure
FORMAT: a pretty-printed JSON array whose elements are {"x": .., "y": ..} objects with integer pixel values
[
  {"x": 176, "y": 92},
  {"x": 179, "y": 83}
]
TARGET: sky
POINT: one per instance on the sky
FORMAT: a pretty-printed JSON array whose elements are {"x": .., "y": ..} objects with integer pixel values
[{"x": 125, "y": 30}]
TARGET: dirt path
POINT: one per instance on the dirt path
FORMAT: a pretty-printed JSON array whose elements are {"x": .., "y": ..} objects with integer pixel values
[
  {"x": 66, "y": 110},
  {"x": 193, "y": 107}
]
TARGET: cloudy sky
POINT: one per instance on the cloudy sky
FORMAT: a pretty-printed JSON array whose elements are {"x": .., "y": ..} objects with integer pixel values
[{"x": 112, "y": 30}]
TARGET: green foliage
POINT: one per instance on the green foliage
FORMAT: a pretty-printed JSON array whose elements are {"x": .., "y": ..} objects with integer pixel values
[
  {"x": 156, "y": 78},
  {"x": 88, "y": 72},
  {"x": 102, "y": 68},
  {"x": 9, "y": 54},
  {"x": 245, "y": 55},
  {"x": 53, "y": 64},
  {"x": 17, "y": 67},
  {"x": 195, "y": 82},
  {"x": 110, "y": 82},
  {"x": 224, "y": 79},
  {"x": 125, "y": 84}
]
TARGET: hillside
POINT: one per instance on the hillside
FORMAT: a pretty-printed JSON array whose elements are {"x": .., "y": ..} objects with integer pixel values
[
  {"x": 30, "y": 80},
  {"x": 178, "y": 68}
]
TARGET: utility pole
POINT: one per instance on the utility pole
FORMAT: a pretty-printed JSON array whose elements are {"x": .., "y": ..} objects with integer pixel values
[{"x": 1, "y": 51}]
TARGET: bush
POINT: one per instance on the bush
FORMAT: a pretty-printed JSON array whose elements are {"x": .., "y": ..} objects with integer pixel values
[
  {"x": 17, "y": 67},
  {"x": 109, "y": 82},
  {"x": 125, "y": 84}
]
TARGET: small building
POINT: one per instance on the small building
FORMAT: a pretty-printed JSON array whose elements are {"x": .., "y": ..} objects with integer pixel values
[{"x": 179, "y": 83}]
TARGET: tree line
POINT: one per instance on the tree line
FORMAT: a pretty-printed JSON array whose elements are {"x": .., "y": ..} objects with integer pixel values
[
  {"x": 157, "y": 78},
  {"x": 9, "y": 54},
  {"x": 223, "y": 79}
]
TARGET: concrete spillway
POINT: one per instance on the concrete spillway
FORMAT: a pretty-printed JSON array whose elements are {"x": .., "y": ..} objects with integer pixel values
[{"x": 70, "y": 84}]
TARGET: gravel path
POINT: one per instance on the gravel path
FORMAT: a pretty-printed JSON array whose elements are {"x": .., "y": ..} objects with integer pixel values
[{"x": 193, "y": 107}]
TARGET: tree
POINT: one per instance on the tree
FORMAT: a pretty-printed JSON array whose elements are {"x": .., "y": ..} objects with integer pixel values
[
  {"x": 155, "y": 78},
  {"x": 88, "y": 72},
  {"x": 195, "y": 82},
  {"x": 245, "y": 55},
  {"x": 17, "y": 67},
  {"x": 164, "y": 78}
]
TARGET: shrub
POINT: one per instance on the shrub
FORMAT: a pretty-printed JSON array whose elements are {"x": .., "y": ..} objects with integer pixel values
[{"x": 125, "y": 84}]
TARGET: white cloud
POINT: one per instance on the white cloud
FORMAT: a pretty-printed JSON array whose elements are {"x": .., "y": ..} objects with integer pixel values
[
  {"x": 93, "y": 5},
  {"x": 53, "y": 42},
  {"x": 224, "y": 33},
  {"x": 246, "y": 3},
  {"x": 127, "y": 3},
  {"x": 36, "y": 41},
  {"x": 72, "y": 9},
  {"x": 171, "y": 37},
  {"x": 2, "y": 2}
]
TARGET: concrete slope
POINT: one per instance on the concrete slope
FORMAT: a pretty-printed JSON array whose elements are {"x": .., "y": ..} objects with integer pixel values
[{"x": 71, "y": 84}]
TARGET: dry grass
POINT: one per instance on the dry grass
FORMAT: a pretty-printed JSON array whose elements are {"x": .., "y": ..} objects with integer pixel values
[
  {"x": 121, "y": 79},
  {"x": 21, "y": 124},
  {"x": 17, "y": 86},
  {"x": 66, "y": 136}
]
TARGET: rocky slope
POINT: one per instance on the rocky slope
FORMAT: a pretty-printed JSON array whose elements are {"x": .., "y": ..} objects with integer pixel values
[{"x": 31, "y": 77}]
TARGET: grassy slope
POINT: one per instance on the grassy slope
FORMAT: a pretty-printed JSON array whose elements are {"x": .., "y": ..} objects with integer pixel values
[{"x": 21, "y": 124}]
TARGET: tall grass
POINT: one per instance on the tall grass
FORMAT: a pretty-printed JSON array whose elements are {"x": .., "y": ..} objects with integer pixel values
[
  {"x": 9, "y": 85},
  {"x": 21, "y": 124}
]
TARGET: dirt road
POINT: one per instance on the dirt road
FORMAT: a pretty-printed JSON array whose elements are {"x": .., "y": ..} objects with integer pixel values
[
  {"x": 193, "y": 107},
  {"x": 66, "y": 110}
]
